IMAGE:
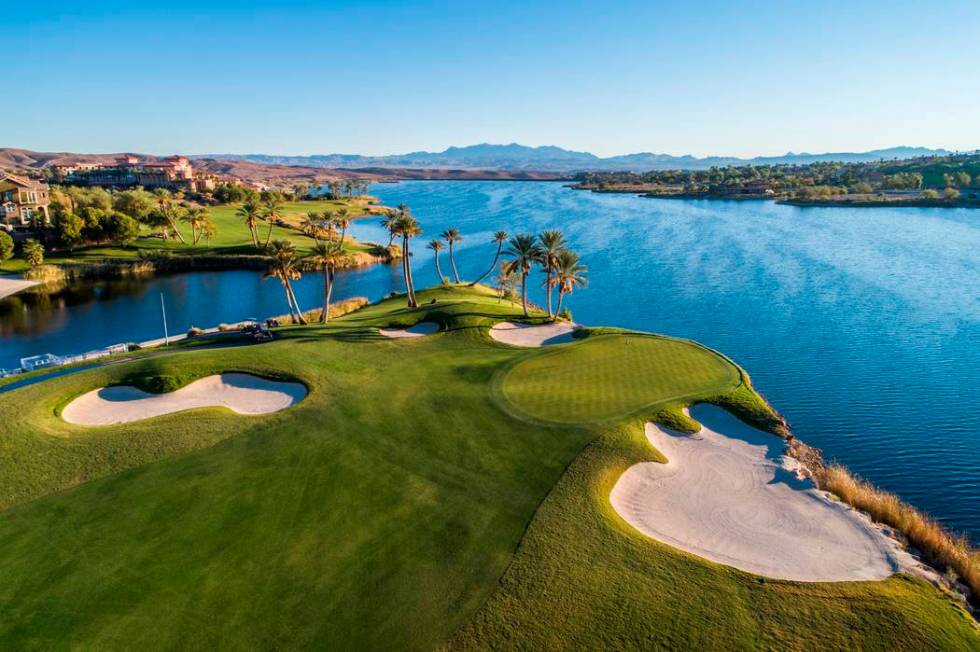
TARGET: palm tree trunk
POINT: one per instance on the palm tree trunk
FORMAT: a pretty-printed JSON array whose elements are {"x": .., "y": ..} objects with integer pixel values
[
  {"x": 410, "y": 282},
  {"x": 329, "y": 292},
  {"x": 343, "y": 234},
  {"x": 325, "y": 315},
  {"x": 405, "y": 272},
  {"x": 452, "y": 261},
  {"x": 524, "y": 291},
  {"x": 180, "y": 237},
  {"x": 299, "y": 312},
  {"x": 561, "y": 295},
  {"x": 268, "y": 236},
  {"x": 442, "y": 279},
  {"x": 289, "y": 303},
  {"x": 492, "y": 267},
  {"x": 254, "y": 233},
  {"x": 547, "y": 288}
]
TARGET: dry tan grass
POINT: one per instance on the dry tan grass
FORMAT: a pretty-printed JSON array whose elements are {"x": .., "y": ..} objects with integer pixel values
[
  {"x": 337, "y": 309},
  {"x": 938, "y": 546}
]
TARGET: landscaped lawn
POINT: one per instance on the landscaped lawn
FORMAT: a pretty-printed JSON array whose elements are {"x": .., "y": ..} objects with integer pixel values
[
  {"x": 232, "y": 236},
  {"x": 401, "y": 505}
]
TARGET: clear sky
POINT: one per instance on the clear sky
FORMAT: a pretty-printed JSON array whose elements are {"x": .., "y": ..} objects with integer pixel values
[{"x": 727, "y": 78}]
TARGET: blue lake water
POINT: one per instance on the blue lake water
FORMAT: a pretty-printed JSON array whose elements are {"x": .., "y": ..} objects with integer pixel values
[{"x": 861, "y": 325}]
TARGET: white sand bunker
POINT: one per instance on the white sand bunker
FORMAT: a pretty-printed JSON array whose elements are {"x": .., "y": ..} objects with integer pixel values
[
  {"x": 420, "y": 329},
  {"x": 527, "y": 335},
  {"x": 729, "y": 495},
  {"x": 242, "y": 393}
]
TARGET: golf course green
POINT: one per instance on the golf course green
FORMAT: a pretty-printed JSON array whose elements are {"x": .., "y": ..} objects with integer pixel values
[{"x": 443, "y": 491}]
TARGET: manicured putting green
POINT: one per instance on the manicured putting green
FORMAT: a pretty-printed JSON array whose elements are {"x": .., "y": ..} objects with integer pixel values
[{"x": 609, "y": 377}]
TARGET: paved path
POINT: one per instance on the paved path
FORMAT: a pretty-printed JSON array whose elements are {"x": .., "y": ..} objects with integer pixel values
[{"x": 12, "y": 285}]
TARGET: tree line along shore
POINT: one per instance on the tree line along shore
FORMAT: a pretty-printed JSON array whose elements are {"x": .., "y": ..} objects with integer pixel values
[
  {"x": 940, "y": 181},
  {"x": 95, "y": 232}
]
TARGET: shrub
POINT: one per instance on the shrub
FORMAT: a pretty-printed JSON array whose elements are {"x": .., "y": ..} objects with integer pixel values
[
  {"x": 6, "y": 246},
  {"x": 33, "y": 252},
  {"x": 194, "y": 331},
  {"x": 155, "y": 384}
]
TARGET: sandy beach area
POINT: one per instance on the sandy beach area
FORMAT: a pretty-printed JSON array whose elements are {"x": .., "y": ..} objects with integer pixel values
[
  {"x": 241, "y": 393},
  {"x": 728, "y": 494}
]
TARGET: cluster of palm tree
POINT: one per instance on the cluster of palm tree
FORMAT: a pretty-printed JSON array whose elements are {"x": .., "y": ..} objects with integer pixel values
[
  {"x": 347, "y": 187},
  {"x": 327, "y": 224},
  {"x": 451, "y": 236},
  {"x": 562, "y": 267},
  {"x": 201, "y": 224},
  {"x": 269, "y": 210},
  {"x": 288, "y": 266}
]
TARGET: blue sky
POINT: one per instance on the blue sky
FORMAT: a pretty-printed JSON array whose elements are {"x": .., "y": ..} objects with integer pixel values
[{"x": 388, "y": 77}]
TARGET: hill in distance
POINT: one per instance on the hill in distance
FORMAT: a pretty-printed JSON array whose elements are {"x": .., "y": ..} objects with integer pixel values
[{"x": 486, "y": 156}]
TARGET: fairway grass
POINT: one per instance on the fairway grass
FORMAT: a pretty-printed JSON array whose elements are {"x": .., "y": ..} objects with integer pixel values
[{"x": 398, "y": 506}]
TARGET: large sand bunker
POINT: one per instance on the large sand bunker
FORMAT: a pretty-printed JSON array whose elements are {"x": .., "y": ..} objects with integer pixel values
[
  {"x": 242, "y": 393},
  {"x": 729, "y": 495},
  {"x": 420, "y": 329},
  {"x": 528, "y": 335}
]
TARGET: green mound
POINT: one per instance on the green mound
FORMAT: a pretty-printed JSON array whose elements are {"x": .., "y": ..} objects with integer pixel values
[
  {"x": 397, "y": 508},
  {"x": 610, "y": 377}
]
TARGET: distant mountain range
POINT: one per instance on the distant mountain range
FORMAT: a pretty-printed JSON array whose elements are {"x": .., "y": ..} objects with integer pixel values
[{"x": 556, "y": 159}]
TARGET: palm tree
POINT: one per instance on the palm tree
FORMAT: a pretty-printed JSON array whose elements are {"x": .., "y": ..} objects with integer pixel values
[
  {"x": 33, "y": 252},
  {"x": 251, "y": 214},
  {"x": 195, "y": 217},
  {"x": 452, "y": 236},
  {"x": 342, "y": 220},
  {"x": 500, "y": 237},
  {"x": 285, "y": 268},
  {"x": 271, "y": 214},
  {"x": 408, "y": 227},
  {"x": 436, "y": 246},
  {"x": 524, "y": 252},
  {"x": 506, "y": 283},
  {"x": 388, "y": 222},
  {"x": 209, "y": 229},
  {"x": 168, "y": 212},
  {"x": 551, "y": 243},
  {"x": 569, "y": 273},
  {"x": 327, "y": 257},
  {"x": 311, "y": 225}
]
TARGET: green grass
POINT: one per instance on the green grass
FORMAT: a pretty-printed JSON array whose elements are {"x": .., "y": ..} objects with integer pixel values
[
  {"x": 610, "y": 377},
  {"x": 232, "y": 237},
  {"x": 396, "y": 507}
]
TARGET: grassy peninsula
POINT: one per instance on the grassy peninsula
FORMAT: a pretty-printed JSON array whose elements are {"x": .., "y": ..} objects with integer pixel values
[{"x": 428, "y": 492}]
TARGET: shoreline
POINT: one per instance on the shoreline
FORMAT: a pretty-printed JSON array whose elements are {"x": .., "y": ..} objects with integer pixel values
[{"x": 913, "y": 202}]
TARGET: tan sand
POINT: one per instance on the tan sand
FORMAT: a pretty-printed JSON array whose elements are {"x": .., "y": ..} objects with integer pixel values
[
  {"x": 527, "y": 335},
  {"x": 9, "y": 286},
  {"x": 728, "y": 494},
  {"x": 418, "y": 330},
  {"x": 241, "y": 393}
]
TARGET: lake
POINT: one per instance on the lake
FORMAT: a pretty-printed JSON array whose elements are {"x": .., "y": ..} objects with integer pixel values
[{"x": 862, "y": 326}]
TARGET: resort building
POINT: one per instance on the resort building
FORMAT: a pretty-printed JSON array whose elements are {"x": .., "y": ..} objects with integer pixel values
[
  {"x": 22, "y": 200},
  {"x": 172, "y": 173}
]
